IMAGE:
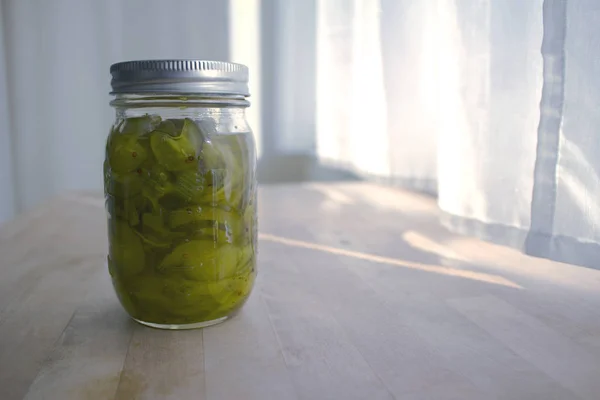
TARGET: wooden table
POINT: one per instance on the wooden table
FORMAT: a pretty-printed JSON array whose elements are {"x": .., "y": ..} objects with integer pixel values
[{"x": 361, "y": 295}]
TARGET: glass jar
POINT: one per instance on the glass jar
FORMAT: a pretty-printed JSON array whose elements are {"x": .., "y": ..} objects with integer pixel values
[{"x": 180, "y": 189}]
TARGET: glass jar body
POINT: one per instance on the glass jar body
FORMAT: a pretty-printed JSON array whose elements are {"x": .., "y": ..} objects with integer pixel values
[{"x": 180, "y": 190}]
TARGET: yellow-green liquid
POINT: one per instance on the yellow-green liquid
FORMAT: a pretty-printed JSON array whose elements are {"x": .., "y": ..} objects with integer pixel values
[{"x": 181, "y": 206}]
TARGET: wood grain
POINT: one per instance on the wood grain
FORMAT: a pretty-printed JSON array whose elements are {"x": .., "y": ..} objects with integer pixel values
[
  {"x": 87, "y": 359},
  {"x": 49, "y": 260},
  {"x": 243, "y": 359},
  {"x": 361, "y": 294},
  {"x": 321, "y": 358},
  {"x": 163, "y": 365},
  {"x": 564, "y": 361}
]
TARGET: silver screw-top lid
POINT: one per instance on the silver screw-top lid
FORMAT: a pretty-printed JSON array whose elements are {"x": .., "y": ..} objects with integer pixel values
[{"x": 179, "y": 76}]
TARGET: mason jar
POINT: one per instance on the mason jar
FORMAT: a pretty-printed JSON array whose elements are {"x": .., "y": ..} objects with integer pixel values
[{"x": 180, "y": 190}]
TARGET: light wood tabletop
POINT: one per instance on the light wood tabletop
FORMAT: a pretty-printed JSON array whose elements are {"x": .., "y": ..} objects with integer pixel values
[{"x": 361, "y": 294}]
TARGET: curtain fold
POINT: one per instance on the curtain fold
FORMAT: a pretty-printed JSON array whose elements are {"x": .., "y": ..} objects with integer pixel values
[
  {"x": 567, "y": 185},
  {"x": 490, "y": 116}
]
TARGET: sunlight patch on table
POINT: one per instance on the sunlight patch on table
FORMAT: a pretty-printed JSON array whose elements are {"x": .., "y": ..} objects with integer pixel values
[{"x": 460, "y": 273}]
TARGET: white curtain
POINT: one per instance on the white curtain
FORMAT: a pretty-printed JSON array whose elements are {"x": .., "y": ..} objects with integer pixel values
[
  {"x": 492, "y": 104},
  {"x": 376, "y": 89}
]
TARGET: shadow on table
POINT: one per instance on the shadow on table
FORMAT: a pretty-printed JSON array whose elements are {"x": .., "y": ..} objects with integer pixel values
[{"x": 371, "y": 224}]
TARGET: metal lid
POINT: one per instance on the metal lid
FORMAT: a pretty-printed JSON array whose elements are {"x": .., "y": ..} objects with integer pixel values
[{"x": 179, "y": 76}]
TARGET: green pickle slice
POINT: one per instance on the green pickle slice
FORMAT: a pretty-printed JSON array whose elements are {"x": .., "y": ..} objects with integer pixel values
[
  {"x": 201, "y": 260},
  {"x": 181, "y": 218},
  {"x": 126, "y": 148},
  {"x": 176, "y": 149}
]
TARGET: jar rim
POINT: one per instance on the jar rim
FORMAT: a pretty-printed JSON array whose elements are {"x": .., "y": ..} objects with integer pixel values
[{"x": 179, "y": 76}]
